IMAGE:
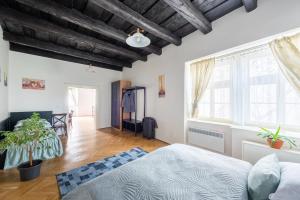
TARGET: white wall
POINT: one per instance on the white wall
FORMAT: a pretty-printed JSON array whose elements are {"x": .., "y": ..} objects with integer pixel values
[
  {"x": 58, "y": 75},
  {"x": 3, "y": 89},
  {"x": 237, "y": 28}
]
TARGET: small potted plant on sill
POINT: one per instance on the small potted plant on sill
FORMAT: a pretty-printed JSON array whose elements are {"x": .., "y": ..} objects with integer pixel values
[
  {"x": 274, "y": 139},
  {"x": 29, "y": 135}
]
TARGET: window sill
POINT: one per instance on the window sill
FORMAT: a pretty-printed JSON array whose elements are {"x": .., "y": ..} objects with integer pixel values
[
  {"x": 292, "y": 134},
  {"x": 221, "y": 123}
]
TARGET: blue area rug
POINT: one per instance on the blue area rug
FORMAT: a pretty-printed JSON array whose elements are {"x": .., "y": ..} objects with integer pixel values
[{"x": 69, "y": 180}]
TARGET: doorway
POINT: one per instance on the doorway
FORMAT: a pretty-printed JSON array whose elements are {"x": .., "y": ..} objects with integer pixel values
[
  {"x": 82, "y": 105},
  {"x": 82, "y": 101}
]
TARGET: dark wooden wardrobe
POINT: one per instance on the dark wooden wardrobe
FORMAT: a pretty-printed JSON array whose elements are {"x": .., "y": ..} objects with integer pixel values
[{"x": 116, "y": 102}]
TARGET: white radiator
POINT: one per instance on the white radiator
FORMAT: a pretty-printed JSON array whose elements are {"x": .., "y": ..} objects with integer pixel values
[
  {"x": 253, "y": 151},
  {"x": 208, "y": 139}
]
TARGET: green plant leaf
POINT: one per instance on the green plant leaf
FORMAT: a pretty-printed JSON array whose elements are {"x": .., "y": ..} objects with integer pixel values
[
  {"x": 267, "y": 131},
  {"x": 263, "y": 135},
  {"x": 276, "y": 135},
  {"x": 292, "y": 143}
]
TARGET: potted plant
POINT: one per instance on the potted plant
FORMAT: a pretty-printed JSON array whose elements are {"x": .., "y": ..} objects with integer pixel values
[
  {"x": 29, "y": 135},
  {"x": 274, "y": 139}
]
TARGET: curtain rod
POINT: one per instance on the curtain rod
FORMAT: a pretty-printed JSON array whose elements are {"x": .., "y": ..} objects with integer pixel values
[{"x": 244, "y": 51}]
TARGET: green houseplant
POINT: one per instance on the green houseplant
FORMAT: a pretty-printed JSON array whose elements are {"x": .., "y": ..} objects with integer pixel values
[
  {"x": 274, "y": 139},
  {"x": 30, "y": 135}
]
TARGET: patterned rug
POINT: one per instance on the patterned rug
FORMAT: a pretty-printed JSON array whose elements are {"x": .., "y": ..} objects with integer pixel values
[{"x": 69, "y": 180}]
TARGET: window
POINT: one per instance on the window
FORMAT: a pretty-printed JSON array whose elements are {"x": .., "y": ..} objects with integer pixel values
[
  {"x": 216, "y": 102},
  {"x": 248, "y": 88},
  {"x": 262, "y": 83}
]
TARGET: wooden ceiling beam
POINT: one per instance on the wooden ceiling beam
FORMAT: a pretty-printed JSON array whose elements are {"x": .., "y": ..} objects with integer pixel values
[
  {"x": 48, "y": 46},
  {"x": 188, "y": 11},
  {"x": 48, "y": 54},
  {"x": 121, "y": 10},
  {"x": 44, "y": 26},
  {"x": 75, "y": 17},
  {"x": 250, "y": 5},
  {"x": 223, "y": 9}
]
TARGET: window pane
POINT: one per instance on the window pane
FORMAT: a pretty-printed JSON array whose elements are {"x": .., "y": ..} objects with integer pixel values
[
  {"x": 263, "y": 100},
  {"x": 222, "y": 111},
  {"x": 204, "y": 110},
  {"x": 222, "y": 95},
  {"x": 292, "y": 114},
  {"x": 291, "y": 96},
  {"x": 263, "y": 93},
  {"x": 215, "y": 97},
  {"x": 206, "y": 97},
  {"x": 262, "y": 66},
  {"x": 222, "y": 103},
  {"x": 221, "y": 73},
  {"x": 263, "y": 113},
  {"x": 292, "y": 106},
  {"x": 204, "y": 106}
]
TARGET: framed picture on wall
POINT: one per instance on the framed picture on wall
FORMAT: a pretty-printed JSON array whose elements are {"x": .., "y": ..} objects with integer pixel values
[
  {"x": 33, "y": 84},
  {"x": 161, "y": 86}
]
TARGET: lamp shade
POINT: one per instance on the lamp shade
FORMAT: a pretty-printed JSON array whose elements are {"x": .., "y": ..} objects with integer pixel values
[{"x": 138, "y": 40}]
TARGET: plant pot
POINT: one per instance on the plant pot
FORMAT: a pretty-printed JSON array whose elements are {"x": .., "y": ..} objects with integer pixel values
[
  {"x": 276, "y": 145},
  {"x": 28, "y": 172}
]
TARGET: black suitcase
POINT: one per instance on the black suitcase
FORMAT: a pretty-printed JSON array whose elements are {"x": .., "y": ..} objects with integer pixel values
[{"x": 149, "y": 125}]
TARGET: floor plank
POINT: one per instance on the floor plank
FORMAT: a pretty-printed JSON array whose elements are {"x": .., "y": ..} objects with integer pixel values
[{"x": 84, "y": 145}]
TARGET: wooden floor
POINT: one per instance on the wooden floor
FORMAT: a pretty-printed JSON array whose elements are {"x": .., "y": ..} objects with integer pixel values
[{"x": 84, "y": 145}]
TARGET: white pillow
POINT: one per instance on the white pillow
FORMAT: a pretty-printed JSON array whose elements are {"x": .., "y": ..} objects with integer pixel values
[
  {"x": 264, "y": 177},
  {"x": 289, "y": 186}
]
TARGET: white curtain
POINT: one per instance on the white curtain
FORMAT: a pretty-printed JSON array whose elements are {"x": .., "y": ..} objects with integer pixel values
[
  {"x": 200, "y": 74},
  {"x": 287, "y": 52}
]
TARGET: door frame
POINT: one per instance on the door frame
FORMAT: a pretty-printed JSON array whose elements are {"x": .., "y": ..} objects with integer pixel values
[{"x": 97, "y": 100}]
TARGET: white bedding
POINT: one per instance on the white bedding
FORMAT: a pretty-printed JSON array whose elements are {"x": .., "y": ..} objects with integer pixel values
[{"x": 178, "y": 172}]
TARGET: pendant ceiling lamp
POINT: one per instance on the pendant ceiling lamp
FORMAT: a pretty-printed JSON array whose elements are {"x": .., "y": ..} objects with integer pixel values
[{"x": 137, "y": 39}]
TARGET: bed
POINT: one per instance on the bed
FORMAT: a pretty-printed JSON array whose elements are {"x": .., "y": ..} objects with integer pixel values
[
  {"x": 15, "y": 117},
  {"x": 174, "y": 172},
  {"x": 15, "y": 155}
]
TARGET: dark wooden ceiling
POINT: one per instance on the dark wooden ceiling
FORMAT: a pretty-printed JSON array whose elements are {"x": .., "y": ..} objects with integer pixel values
[{"x": 93, "y": 31}]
